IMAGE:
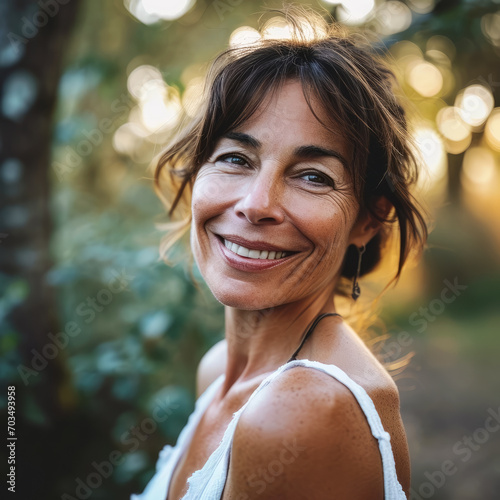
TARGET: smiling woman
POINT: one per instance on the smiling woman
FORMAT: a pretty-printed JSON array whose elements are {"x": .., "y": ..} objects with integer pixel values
[
  {"x": 282, "y": 169},
  {"x": 298, "y": 168}
]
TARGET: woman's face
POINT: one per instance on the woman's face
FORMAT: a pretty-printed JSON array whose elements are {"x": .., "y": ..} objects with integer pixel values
[{"x": 273, "y": 207}]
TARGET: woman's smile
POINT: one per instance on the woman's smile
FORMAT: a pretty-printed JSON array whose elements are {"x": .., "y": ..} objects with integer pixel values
[
  {"x": 250, "y": 259},
  {"x": 254, "y": 249}
]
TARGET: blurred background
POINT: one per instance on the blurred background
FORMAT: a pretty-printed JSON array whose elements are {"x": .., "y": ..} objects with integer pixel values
[{"x": 102, "y": 340}]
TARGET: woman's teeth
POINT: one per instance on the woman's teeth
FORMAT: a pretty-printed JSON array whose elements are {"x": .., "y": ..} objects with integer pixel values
[{"x": 253, "y": 254}]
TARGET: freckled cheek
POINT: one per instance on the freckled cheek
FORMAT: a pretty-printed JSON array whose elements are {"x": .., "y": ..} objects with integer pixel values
[
  {"x": 208, "y": 198},
  {"x": 328, "y": 230}
]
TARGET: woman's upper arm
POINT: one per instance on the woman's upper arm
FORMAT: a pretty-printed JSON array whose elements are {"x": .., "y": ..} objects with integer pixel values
[
  {"x": 294, "y": 443},
  {"x": 211, "y": 365}
]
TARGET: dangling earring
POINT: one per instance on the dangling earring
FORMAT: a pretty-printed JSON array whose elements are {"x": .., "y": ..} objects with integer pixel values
[{"x": 356, "y": 292}]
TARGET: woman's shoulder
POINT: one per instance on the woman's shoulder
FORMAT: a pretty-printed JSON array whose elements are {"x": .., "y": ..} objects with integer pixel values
[
  {"x": 305, "y": 428},
  {"x": 311, "y": 387}
]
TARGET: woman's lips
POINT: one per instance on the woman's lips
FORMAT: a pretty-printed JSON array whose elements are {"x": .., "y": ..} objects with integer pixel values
[{"x": 248, "y": 263}]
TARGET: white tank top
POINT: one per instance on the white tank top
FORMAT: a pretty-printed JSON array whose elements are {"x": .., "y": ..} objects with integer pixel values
[{"x": 208, "y": 482}]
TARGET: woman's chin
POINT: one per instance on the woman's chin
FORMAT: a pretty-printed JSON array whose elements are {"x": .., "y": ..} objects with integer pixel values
[{"x": 245, "y": 301}]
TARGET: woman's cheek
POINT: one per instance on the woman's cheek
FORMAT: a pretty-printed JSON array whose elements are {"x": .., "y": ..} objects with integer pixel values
[
  {"x": 216, "y": 186},
  {"x": 207, "y": 188}
]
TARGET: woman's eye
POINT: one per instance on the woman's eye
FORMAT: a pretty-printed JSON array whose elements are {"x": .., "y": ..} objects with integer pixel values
[
  {"x": 233, "y": 159},
  {"x": 319, "y": 179}
]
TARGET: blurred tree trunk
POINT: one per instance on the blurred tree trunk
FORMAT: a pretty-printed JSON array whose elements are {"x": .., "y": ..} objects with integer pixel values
[{"x": 34, "y": 36}]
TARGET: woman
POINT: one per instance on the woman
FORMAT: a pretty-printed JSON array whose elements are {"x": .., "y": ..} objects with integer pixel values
[{"x": 297, "y": 168}]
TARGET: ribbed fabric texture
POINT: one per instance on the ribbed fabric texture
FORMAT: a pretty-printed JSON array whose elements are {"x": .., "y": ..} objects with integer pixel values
[{"x": 208, "y": 482}]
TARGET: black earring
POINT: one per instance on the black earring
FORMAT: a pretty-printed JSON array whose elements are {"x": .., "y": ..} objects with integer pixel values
[{"x": 356, "y": 292}]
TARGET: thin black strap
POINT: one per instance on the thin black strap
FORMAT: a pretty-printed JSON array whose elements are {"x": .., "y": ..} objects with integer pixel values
[{"x": 309, "y": 331}]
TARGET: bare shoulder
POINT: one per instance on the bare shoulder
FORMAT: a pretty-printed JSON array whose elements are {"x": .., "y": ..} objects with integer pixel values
[
  {"x": 304, "y": 436},
  {"x": 211, "y": 365}
]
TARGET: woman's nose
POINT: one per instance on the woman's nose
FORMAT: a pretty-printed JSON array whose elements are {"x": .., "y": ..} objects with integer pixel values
[{"x": 261, "y": 200}]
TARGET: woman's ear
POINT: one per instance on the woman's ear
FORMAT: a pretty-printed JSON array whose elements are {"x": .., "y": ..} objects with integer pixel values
[{"x": 367, "y": 226}]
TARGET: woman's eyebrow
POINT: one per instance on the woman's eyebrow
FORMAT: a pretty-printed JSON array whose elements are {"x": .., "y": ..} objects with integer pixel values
[
  {"x": 245, "y": 139},
  {"x": 313, "y": 151},
  {"x": 310, "y": 151}
]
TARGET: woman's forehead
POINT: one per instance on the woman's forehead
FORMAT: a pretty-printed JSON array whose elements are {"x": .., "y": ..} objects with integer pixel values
[{"x": 285, "y": 116}]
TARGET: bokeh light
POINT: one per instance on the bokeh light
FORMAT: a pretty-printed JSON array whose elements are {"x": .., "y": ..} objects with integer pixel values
[
  {"x": 152, "y": 11},
  {"x": 157, "y": 112},
  {"x": 140, "y": 78},
  {"x": 425, "y": 78},
  {"x": 479, "y": 167},
  {"x": 167, "y": 9},
  {"x": 128, "y": 138},
  {"x": 405, "y": 48},
  {"x": 492, "y": 130},
  {"x": 475, "y": 104},
  {"x": 438, "y": 57},
  {"x": 421, "y": 6},
  {"x": 160, "y": 110},
  {"x": 393, "y": 17},
  {"x": 431, "y": 151},
  {"x": 442, "y": 44},
  {"x": 355, "y": 11},
  {"x": 455, "y": 131},
  {"x": 490, "y": 25},
  {"x": 244, "y": 35},
  {"x": 277, "y": 28},
  {"x": 405, "y": 54}
]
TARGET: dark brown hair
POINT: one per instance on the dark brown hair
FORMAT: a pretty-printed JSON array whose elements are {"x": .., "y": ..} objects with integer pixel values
[{"x": 354, "y": 87}]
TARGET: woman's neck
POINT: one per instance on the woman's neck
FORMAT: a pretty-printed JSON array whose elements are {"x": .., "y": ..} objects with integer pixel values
[{"x": 261, "y": 341}]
